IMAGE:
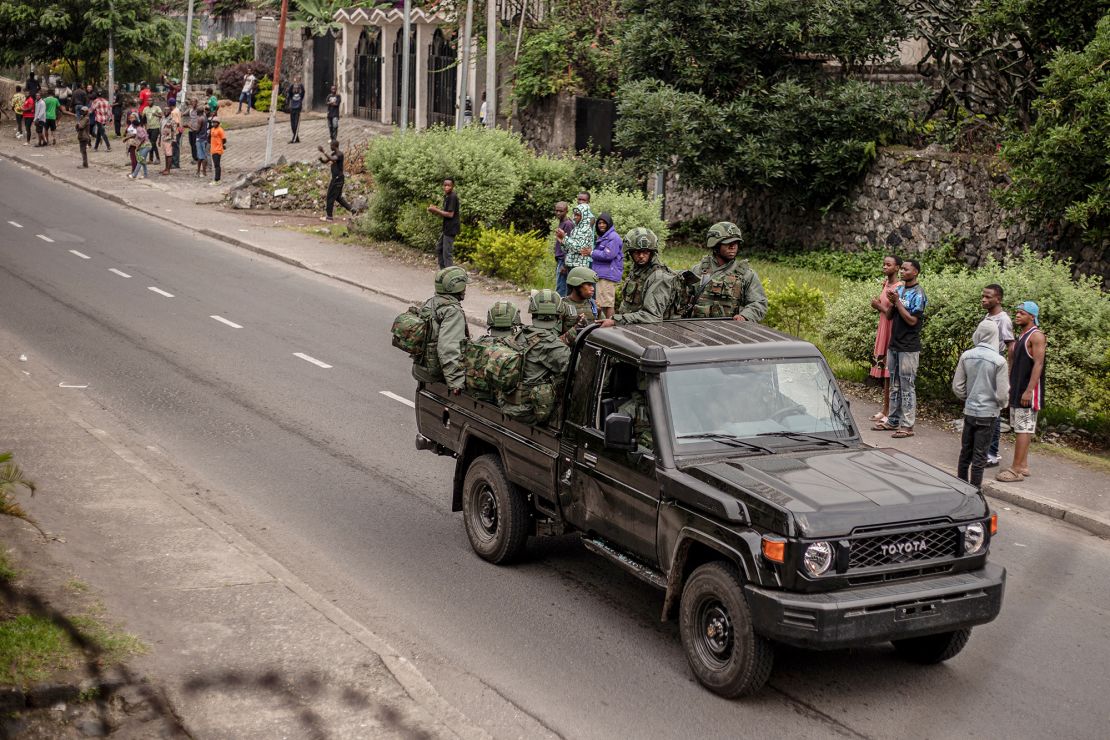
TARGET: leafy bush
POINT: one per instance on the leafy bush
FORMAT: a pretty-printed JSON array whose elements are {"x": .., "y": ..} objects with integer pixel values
[
  {"x": 485, "y": 163},
  {"x": 1075, "y": 315},
  {"x": 263, "y": 95},
  {"x": 509, "y": 254},
  {"x": 630, "y": 209},
  {"x": 418, "y": 228},
  {"x": 204, "y": 63},
  {"x": 794, "y": 308},
  {"x": 230, "y": 79},
  {"x": 574, "y": 49},
  {"x": 1060, "y": 165},
  {"x": 544, "y": 182}
]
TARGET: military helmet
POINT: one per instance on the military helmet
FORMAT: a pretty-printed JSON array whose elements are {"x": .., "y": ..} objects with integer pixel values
[
  {"x": 544, "y": 304},
  {"x": 579, "y": 275},
  {"x": 641, "y": 238},
  {"x": 723, "y": 232},
  {"x": 451, "y": 280},
  {"x": 503, "y": 315}
]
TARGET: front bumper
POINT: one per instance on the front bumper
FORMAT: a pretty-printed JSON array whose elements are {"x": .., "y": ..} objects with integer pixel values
[{"x": 871, "y": 614}]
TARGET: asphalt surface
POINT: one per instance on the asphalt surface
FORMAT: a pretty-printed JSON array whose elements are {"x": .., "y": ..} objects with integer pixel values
[{"x": 316, "y": 465}]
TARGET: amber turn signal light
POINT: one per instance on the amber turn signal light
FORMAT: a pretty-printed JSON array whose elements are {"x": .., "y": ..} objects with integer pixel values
[
  {"x": 774, "y": 549},
  {"x": 994, "y": 524}
]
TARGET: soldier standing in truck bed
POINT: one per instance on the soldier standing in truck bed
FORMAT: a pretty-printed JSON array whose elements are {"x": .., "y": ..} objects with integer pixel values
[
  {"x": 442, "y": 358},
  {"x": 649, "y": 287},
  {"x": 728, "y": 287}
]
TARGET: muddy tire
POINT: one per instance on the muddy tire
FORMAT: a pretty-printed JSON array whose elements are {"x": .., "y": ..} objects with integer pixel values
[
  {"x": 494, "y": 512},
  {"x": 725, "y": 653},
  {"x": 933, "y": 648}
]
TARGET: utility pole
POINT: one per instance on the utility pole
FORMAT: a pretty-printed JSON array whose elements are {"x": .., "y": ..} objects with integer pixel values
[
  {"x": 277, "y": 82},
  {"x": 406, "y": 48},
  {"x": 188, "y": 43},
  {"x": 491, "y": 63},
  {"x": 464, "y": 77},
  {"x": 111, "y": 58}
]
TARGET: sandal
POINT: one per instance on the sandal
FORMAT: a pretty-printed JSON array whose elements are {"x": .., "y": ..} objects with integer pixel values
[
  {"x": 902, "y": 433},
  {"x": 879, "y": 417},
  {"x": 1024, "y": 473},
  {"x": 1009, "y": 475},
  {"x": 883, "y": 427}
]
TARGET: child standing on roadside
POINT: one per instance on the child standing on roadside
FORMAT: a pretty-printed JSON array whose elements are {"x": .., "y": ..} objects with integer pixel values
[{"x": 216, "y": 140}]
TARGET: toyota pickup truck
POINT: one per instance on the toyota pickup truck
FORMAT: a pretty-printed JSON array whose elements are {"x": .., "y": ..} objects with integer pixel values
[{"x": 718, "y": 461}]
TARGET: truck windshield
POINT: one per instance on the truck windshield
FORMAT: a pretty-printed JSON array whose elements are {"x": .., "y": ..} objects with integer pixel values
[{"x": 748, "y": 399}]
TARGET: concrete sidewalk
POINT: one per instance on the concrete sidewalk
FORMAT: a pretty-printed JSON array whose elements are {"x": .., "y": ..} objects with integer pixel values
[
  {"x": 1058, "y": 488},
  {"x": 242, "y": 647}
]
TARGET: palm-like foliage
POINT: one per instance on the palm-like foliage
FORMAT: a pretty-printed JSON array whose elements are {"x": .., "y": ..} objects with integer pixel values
[
  {"x": 11, "y": 477},
  {"x": 318, "y": 16}
]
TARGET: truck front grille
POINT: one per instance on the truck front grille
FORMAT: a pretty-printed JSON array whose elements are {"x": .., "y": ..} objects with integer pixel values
[{"x": 905, "y": 547}]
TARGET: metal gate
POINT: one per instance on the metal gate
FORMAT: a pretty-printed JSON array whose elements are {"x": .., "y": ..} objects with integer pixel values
[
  {"x": 442, "y": 79},
  {"x": 368, "y": 74},
  {"x": 398, "y": 46},
  {"x": 323, "y": 68}
]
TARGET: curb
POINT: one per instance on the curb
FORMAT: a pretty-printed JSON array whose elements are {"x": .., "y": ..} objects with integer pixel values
[{"x": 1094, "y": 523}]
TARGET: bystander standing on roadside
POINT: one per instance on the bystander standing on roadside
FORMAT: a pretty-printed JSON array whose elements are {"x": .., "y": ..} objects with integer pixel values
[
  {"x": 40, "y": 119},
  {"x": 131, "y": 140},
  {"x": 213, "y": 102},
  {"x": 608, "y": 263},
  {"x": 31, "y": 87},
  {"x": 144, "y": 98},
  {"x": 583, "y": 197},
  {"x": 28, "y": 118},
  {"x": 246, "y": 95},
  {"x": 82, "y": 97},
  {"x": 173, "y": 88},
  {"x": 153, "y": 120},
  {"x": 451, "y": 223},
  {"x": 1027, "y": 365},
  {"x": 333, "y": 101},
  {"x": 17, "y": 107},
  {"x": 64, "y": 94},
  {"x": 174, "y": 114},
  {"x": 142, "y": 150},
  {"x": 882, "y": 336},
  {"x": 192, "y": 123},
  {"x": 217, "y": 138},
  {"x": 294, "y": 102},
  {"x": 579, "y": 244},
  {"x": 167, "y": 139},
  {"x": 84, "y": 136},
  {"x": 334, "y": 157},
  {"x": 564, "y": 227},
  {"x": 51, "y": 124},
  {"x": 991, "y": 300},
  {"x": 101, "y": 115},
  {"x": 118, "y": 101},
  {"x": 904, "y": 352},
  {"x": 483, "y": 110},
  {"x": 202, "y": 143},
  {"x": 982, "y": 382}
]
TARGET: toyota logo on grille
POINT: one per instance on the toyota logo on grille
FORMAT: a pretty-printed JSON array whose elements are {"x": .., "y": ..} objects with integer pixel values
[{"x": 905, "y": 547}]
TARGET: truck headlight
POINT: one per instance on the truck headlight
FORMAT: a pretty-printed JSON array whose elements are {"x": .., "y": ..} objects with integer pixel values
[
  {"x": 974, "y": 537},
  {"x": 818, "y": 558}
]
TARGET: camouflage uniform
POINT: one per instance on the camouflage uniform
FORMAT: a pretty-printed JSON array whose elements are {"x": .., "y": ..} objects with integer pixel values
[
  {"x": 730, "y": 289},
  {"x": 503, "y": 322},
  {"x": 637, "y": 408},
  {"x": 545, "y": 363},
  {"x": 577, "y": 314},
  {"x": 442, "y": 359},
  {"x": 648, "y": 291}
]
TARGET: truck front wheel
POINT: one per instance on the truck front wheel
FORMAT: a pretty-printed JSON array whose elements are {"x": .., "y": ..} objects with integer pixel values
[
  {"x": 933, "y": 648},
  {"x": 494, "y": 511},
  {"x": 725, "y": 653}
]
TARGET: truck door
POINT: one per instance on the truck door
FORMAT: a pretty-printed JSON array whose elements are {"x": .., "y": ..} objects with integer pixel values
[{"x": 612, "y": 493}]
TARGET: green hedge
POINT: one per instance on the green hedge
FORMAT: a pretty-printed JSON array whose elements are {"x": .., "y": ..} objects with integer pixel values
[
  {"x": 508, "y": 254},
  {"x": 1075, "y": 316}
]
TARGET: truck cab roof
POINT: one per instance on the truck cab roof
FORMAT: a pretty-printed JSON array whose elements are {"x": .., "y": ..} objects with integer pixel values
[{"x": 694, "y": 341}]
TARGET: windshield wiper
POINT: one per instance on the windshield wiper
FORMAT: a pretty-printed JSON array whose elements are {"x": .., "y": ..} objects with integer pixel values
[
  {"x": 804, "y": 436},
  {"x": 728, "y": 439}
]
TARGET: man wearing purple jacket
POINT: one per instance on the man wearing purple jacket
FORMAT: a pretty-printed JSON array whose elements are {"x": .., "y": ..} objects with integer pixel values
[
  {"x": 608, "y": 263},
  {"x": 564, "y": 228}
]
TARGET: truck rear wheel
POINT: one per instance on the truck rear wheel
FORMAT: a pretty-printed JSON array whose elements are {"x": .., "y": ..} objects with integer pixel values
[
  {"x": 725, "y": 653},
  {"x": 494, "y": 511},
  {"x": 932, "y": 649}
]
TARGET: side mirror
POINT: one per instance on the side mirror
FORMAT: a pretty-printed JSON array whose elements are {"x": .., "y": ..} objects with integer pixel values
[{"x": 619, "y": 433}]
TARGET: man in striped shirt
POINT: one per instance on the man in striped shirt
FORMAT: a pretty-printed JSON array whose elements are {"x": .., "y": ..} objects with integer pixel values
[{"x": 102, "y": 114}]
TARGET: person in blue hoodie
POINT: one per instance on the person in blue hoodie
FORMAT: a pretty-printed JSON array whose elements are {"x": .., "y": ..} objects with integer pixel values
[
  {"x": 608, "y": 263},
  {"x": 982, "y": 382}
]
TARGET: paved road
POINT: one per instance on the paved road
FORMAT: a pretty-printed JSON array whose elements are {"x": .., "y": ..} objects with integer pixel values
[{"x": 286, "y": 422}]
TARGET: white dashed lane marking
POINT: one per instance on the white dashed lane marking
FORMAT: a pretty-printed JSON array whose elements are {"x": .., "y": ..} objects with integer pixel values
[
  {"x": 16, "y": 225},
  {"x": 222, "y": 320},
  {"x": 398, "y": 399},
  {"x": 121, "y": 273},
  {"x": 159, "y": 291},
  {"x": 313, "y": 360},
  {"x": 82, "y": 255},
  {"x": 45, "y": 238}
]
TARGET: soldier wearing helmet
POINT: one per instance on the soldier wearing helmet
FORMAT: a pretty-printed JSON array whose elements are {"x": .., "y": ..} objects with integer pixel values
[
  {"x": 545, "y": 363},
  {"x": 648, "y": 291},
  {"x": 503, "y": 320},
  {"x": 503, "y": 328},
  {"x": 727, "y": 287},
  {"x": 579, "y": 307},
  {"x": 442, "y": 359}
]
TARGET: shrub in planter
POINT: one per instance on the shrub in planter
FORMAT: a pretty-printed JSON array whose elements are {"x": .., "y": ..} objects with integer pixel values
[
  {"x": 230, "y": 79},
  {"x": 508, "y": 254},
  {"x": 418, "y": 228}
]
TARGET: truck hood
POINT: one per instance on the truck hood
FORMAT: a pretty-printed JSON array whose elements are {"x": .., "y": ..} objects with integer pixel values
[{"x": 828, "y": 493}]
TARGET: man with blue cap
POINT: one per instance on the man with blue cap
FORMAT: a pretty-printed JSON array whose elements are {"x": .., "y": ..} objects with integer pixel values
[{"x": 1026, "y": 387}]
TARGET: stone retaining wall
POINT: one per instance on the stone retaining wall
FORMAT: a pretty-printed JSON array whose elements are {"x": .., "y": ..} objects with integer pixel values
[{"x": 909, "y": 200}]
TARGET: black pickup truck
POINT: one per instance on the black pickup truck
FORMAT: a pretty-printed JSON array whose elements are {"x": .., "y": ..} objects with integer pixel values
[{"x": 754, "y": 505}]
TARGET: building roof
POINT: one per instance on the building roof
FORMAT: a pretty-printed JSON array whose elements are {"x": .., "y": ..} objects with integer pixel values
[{"x": 688, "y": 341}]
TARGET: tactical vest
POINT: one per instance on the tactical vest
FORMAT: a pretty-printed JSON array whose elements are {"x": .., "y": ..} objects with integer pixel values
[
  {"x": 427, "y": 367},
  {"x": 721, "y": 296}
]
